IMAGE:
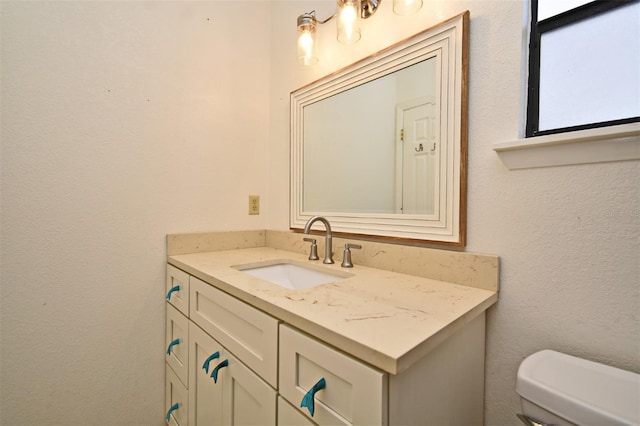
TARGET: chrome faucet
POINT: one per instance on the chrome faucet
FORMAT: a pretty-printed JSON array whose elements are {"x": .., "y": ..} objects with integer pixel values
[{"x": 328, "y": 251}]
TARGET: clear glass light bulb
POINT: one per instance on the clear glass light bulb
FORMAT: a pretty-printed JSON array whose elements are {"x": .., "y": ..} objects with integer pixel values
[
  {"x": 307, "y": 25},
  {"x": 348, "y": 15},
  {"x": 305, "y": 48},
  {"x": 348, "y": 29}
]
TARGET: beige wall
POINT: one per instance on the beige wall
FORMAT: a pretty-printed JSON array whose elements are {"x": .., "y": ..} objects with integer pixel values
[
  {"x": 124, "y": 121},
  {"x": 568, "y": 237},
  {"x": 121, "y": 122}
]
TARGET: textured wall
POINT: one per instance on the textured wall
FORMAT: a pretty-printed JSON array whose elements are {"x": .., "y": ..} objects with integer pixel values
[
  {"x": 121, "y": 122},
  {"x": 568, "y": 237}
]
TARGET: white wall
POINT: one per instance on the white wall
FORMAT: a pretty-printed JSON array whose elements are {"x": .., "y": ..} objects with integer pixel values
[
  {"x": 121, "y": 122},
  {"x": 568, "y": 237}
]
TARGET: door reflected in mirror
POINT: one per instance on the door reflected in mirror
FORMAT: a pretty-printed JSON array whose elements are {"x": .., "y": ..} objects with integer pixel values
[
  {"x": 380, "y": 147},
  {"x": 381, "y": 143}
]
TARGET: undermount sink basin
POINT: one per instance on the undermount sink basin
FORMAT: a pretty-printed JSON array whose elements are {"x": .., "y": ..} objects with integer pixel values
[{"x": 291, "y": 274}]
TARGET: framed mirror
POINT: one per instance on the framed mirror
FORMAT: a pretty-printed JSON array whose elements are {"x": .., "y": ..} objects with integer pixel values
[{"x": 379, "y": 148}]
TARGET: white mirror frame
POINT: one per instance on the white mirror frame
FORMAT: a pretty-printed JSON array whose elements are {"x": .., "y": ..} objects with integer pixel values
[{"x": 449, "y": 41}]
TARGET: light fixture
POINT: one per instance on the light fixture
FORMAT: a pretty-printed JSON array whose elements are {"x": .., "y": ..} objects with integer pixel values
[
  {"x": 348, "y": 22},
  {"x": 348, "y": 28},
  {"x": 406, "y": 7},
  {"x": 307, "y": 28}
]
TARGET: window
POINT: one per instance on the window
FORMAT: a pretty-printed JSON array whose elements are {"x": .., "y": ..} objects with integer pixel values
[{"x": 584, "y": 65}]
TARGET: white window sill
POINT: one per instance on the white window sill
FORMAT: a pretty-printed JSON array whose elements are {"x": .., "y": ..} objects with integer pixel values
[{"x": 614, "y": 143}]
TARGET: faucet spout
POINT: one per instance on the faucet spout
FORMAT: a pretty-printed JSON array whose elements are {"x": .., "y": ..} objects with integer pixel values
[{"x": 328, "y": 250}]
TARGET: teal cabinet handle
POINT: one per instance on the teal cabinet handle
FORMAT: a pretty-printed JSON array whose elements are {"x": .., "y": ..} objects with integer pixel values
[
  {"x": 214, "y": 373},
  {"x": 172, "y": 290},
  {"x": 172, "y": 344},
  {"x": 173, "y": 408},
  {"x": 307, "y": 399},
  {"x": 207, "y": 361}
]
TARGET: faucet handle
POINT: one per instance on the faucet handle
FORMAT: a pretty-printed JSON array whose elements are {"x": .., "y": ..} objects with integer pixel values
[
  {"x": 313, "y": 254},
  {"x": 346, "y": 259}
]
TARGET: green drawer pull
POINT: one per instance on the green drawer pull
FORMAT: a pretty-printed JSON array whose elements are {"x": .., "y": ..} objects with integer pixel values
[
  {"x": 307, "y": 399},
  {"x": 172, "y": 290},
  {"x": 172, "y": 344},
  {"x": 207, "y": 361},
  {"x": 214, "y": 373},
  {"x": 173, "y": 408}
]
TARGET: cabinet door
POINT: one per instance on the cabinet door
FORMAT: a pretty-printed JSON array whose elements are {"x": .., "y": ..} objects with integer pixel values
[
  {"x": 238, "y": 397},
  {"x": 247, "y": 399},
  {"x": 176, "y": 400},
  {"x": 177, "y": 343},
  {"x": 205, "y": 395}
]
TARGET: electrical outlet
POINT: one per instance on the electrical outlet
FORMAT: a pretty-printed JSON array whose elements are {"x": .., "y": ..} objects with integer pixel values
[{"x": 254, "y": 204}]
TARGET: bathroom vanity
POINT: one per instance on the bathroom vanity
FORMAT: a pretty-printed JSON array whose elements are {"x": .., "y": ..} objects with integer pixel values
[{"x": 374, "y": 347}]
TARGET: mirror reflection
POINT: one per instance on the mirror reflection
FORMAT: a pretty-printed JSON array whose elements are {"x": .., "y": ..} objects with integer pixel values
[{"x": 375, "y": 145}]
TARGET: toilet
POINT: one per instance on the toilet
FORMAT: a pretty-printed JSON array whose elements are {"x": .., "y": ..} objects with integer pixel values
[{"x": 563, "y": 390}]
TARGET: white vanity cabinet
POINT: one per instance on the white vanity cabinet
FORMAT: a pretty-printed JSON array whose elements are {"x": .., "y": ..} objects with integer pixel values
[
  {"x": 213, "y": 383},
  {"x": 244, "y": 366}
]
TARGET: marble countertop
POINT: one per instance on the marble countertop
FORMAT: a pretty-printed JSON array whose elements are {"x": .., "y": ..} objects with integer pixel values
[{"x": 387, "y": 319}]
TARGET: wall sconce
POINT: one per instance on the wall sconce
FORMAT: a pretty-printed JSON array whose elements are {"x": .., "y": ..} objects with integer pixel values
[
  {"x": 307, "y": 29},
  {"x": 348, "y": 23}
]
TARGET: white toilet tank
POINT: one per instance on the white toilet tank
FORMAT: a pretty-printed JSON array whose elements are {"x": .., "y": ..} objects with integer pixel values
[{"x": 562, "y": 390}]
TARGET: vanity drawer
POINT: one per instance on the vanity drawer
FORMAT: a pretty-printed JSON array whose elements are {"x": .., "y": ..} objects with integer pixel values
[
  {"x": 176, "y": 348},
  {"x": 176, "y": 400},
  {"x": 355, "y": 393},
  {"x": 248, "y": 333},
  {"x": 177, "y": 289}
]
